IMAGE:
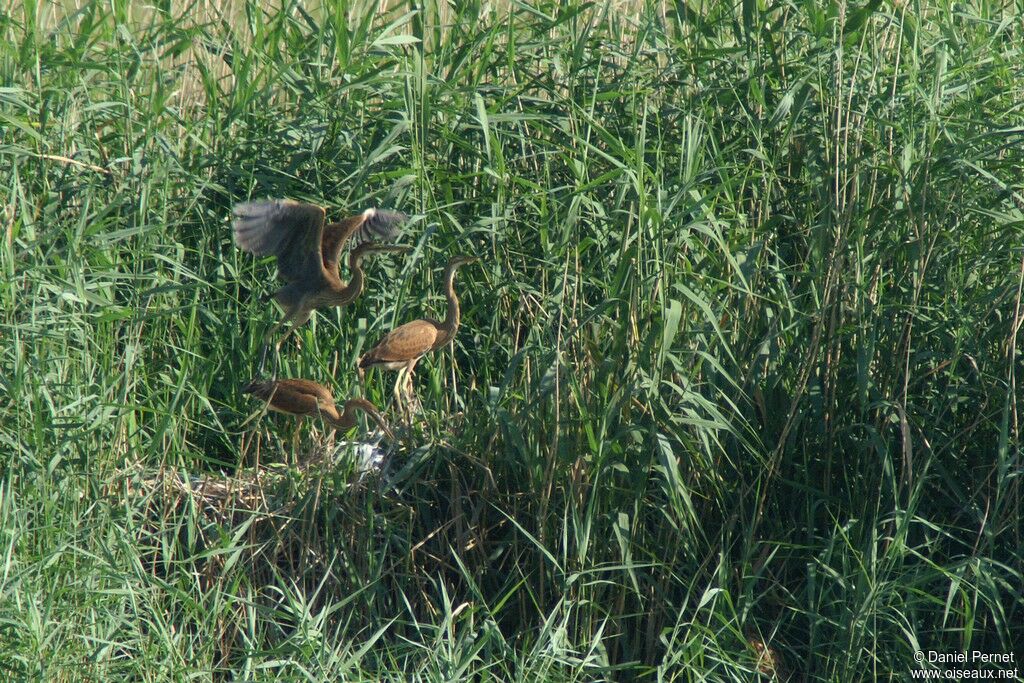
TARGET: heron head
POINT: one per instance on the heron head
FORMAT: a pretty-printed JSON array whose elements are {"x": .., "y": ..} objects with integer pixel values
[
  {"x": 461, "y": 260},
  {"x": 371, "y": 410}
]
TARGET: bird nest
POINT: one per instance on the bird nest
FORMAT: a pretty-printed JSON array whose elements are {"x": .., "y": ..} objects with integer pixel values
[
  {"x": 218, "y": 498},
  {"x": 268, "y": 491}
]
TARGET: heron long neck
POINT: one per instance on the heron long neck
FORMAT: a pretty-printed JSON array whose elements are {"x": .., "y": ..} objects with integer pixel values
[
  {"x": 346, "y": 420},
  {"x": 451, "y": 320},
  {"x": 355, "y": 284},
  {"x": 349, "y": 227}
]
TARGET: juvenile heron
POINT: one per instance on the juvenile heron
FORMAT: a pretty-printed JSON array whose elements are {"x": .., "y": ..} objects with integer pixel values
[
  {"x": 308, "y": 253},
  {"x": 303, "y": 397},
  {"x": 402, "y": 348}
]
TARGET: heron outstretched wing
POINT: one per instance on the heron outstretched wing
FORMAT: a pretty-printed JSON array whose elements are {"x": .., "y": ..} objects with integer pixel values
[
  {"x": 372, "y": 224},
  {"x": 289, "y": 230}
]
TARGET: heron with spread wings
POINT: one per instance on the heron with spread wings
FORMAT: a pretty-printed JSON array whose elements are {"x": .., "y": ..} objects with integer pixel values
[{"x": 308, "y": 253}]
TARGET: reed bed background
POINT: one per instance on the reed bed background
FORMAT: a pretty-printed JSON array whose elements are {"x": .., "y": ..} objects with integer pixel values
[{"x": 736, "y": 394}]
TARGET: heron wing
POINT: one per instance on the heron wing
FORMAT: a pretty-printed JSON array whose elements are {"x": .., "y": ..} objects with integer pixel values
[
  {"x": 403, "y": 343},
  {"x": 289, "y": 230},
  {"x": 373, "y": 224},
  {"x": 308, "y": 387},
  {"x": 294, "y": 402},
  {"x": 314, "y": 398},
  {"x": 295, "y": 396}
]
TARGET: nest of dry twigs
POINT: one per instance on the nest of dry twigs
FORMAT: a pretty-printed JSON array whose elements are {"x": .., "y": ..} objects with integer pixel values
[{"x": 270, "y": 492}]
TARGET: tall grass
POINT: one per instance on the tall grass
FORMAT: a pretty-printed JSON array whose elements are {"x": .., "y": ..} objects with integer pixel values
[{"x": 739, "y": 371}]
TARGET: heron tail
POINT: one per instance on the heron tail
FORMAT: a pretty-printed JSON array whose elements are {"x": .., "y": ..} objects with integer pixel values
[{"x": 259, "y": 388}]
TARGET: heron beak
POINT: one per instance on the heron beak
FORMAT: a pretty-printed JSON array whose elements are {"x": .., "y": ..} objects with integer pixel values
[{"x": 393, "y": 248}]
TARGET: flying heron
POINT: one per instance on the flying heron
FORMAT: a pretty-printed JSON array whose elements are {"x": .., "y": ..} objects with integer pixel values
[
  {"x": 402, "y": 348},
  {"x": 308, "y": 253},
  {"x": 303, "y": 397}
]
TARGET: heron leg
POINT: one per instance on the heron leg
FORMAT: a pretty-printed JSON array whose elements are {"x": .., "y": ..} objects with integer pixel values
[
  {"x": 267, "y": 343},
  {"x": 410, "y": 389},
  {"x": 294, "y": 318},
  {"x": 277, "y": 361},
  {"x": 295, "y": 441},
  {"x": 263, "y": 359},
  {"x": 297, "y": 318},
  {"x": 362, "y": 378},
  {"x": 398, "y": 393}
]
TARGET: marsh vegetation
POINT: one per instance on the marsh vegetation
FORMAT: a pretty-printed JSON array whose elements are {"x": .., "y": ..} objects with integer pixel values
[{"x": 738, "y": 371}]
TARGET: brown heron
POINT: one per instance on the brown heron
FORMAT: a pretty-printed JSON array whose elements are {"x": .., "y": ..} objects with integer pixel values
[
  {"x": 405, "y": 345},
  {"x": 303, "y": 397},
  {"x": 308, "y": 253}
]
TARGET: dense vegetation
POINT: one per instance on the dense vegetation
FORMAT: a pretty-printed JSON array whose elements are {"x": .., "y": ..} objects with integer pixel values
[{"x": 739, "y": 371}]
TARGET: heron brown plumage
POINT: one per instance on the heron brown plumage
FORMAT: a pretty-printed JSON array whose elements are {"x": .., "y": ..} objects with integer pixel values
[
  {"x": 303, "y": 397},
  {"x": 308, "y": 253},
  {"x": 403, "y": 347}
]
